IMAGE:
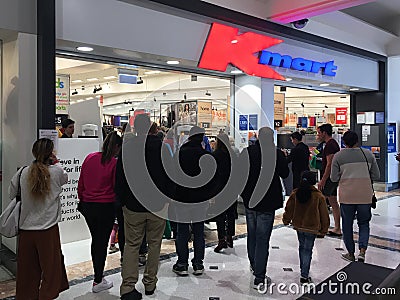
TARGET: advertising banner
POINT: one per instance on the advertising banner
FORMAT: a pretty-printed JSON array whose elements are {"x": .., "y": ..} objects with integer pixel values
[
  {"x": 72, "y": 153},
  {"x": 391, "y": 138},
  {"x": 279, "y": 106},
  {"x": 62, "y": 94},
  {"x": 341, "y": 115},
  {"x": 243, "y": 123},
  {"x": 204, "y": 114}
]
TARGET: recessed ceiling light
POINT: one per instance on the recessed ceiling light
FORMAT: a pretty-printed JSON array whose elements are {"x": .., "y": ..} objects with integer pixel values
[
  {"x": 76, "y": 81},
  {"x": 89, "y": 98},
  {"x": 119, "y": 106},
  {"x": 173, "y": 62},
  {"x": 84, "y": 49},
  {"x": 110, "y": 77},
  {"x": 92, "y": 79},
  {"x": 80, "y": 100},
  {"x": 354, "y": 89},
  {"x": 152, "y": 72},
  {"x": 289, "y": 79},
  {"x": 234, "y": 41},
  {"x": 236, "y": 72},
  {"x": 324, "y": 84}
]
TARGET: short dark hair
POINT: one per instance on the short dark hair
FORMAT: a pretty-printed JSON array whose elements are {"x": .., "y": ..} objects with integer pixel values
[
  {"x": 350, "y": 138},
  {"x": 66, "y": 122},
  {"x": 296, "y": 135},
  {"x": 142, "y": 124},
  {"x": 326, "y": 128}
]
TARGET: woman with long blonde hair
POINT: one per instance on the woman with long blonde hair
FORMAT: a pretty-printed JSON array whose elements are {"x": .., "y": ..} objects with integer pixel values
[{"x": 40, "y": 271}]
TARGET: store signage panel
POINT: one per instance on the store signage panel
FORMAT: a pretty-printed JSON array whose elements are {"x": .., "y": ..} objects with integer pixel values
[
  {"x": 391, "y": 138},
  {"x": 243, "y": 122},
  {"x": 341, "y": 115},
  {"x": 226, "y": 46},
  {"x": 62, "y": 94}
]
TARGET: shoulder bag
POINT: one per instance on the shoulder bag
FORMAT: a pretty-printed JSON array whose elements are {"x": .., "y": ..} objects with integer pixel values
[
  {"x": 9, "y": 219},
  {"x": 374, "y": 200}
]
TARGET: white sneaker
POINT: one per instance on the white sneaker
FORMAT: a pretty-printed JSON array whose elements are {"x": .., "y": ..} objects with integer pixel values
[{"x": 102, "y": 286}]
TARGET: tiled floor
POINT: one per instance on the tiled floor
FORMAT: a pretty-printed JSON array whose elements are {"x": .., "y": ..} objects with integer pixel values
[{"x": 232, "y": 279}]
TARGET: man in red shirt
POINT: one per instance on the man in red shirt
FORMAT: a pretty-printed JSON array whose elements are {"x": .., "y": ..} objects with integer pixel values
[{"x": 326, "y": 186}]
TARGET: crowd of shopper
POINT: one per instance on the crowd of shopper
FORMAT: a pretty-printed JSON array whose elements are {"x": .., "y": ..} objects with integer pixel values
[{"x": 105, "y": 191}]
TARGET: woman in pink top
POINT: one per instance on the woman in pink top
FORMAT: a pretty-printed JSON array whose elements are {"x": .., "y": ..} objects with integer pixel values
[{"x": 97, "y": 197}]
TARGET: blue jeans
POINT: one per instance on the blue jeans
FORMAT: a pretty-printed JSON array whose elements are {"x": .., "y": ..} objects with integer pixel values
[
  {"x": 306, "y": 245},
  {"x": 181, "y": 243},
  {"x": 259, "y": 228},
  {"x": 364, "y": 215}
]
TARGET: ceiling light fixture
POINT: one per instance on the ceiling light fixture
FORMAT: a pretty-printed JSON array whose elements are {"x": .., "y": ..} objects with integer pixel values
[
  {"x": 288, "y": 79},
  {"x": 234, "y": 41},
  {"x": 75, "y": 93},
  {"x": 92, "y": 79},
  {"x": 83, "y": 87},
  {"x": 236, "y": 71},
  {"x": 302, "y": 104},
  {"x": 84, "y": 49},
  {"x": 109, "y": 77},
  {"x": 89, "y": 98},
  {"x": 184, "y": 96},
  {"x": 354, "y": 89},
  {"x": 326, "y": 106},
  {"x": 324, "y": 84},
  {"x": 140, "y": 81},
  {"x": 173, "y": 62},
  {"x": 152, "y": 72},
  {"x": 208, "y": 93},
  {"x": 76, "y": 81}
]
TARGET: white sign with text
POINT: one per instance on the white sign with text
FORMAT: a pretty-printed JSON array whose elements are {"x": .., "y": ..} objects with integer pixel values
[{"x": 71, "y": 153}]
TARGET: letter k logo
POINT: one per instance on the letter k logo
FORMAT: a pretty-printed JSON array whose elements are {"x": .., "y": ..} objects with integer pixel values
[{"x": 225, "y": 46}]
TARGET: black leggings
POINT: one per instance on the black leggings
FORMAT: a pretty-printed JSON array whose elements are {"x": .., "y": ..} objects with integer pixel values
[
  {"x": 100, "y": 220},
  {"x": 226, "y": 222}
]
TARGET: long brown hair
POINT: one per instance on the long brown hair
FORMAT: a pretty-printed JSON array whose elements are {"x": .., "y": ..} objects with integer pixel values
[
  {"x": 39, "y": 175},
  {"x": 108, "y": 151}
]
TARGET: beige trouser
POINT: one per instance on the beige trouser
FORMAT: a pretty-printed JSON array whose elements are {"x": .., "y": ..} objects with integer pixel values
[{"x": 136, "y": 225}]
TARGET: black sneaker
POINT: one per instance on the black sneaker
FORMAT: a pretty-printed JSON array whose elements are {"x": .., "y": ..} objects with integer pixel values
[
  {"x": 180, "y": 270},
  {"x": 134, "y": 295},
  {"x": 305, "y": 280},
  {"x": 198, "y": 270}
]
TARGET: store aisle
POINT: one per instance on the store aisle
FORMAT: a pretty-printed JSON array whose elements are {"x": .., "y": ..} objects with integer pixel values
[{"x": 232, "y": 279}]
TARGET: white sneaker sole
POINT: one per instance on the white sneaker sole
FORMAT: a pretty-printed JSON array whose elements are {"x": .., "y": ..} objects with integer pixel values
[{"x": 98, "y": 289}]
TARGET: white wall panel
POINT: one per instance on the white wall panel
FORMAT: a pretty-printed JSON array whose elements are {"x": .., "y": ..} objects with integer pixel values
[
  {"x": 18, "y": 15},
  {"x": 116, "y": 24}
]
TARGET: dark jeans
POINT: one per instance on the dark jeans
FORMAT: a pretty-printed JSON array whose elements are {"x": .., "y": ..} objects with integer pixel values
[
  {"x": 364, "y": 215},
  {"x": 121, "y": 232},
  {"x": 259, "y": 228},
  {"x": 226, "y": 222},
  {"x": 100, "y": 220},
  {"x": 181, "y": 243},
  {"x": 306, "y": 245}
]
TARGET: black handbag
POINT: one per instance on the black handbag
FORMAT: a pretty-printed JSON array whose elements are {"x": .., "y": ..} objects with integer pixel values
[{"x": 374, "y": 200}]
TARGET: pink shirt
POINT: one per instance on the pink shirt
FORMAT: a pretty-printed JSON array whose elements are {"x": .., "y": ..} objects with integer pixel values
[{"x": 97, "y": 181}]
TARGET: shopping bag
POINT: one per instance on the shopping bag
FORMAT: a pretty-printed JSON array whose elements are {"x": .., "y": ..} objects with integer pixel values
[{"x": 9, "y": 219}]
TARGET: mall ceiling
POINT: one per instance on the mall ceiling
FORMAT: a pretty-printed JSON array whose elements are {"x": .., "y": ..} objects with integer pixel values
[{"x": 372, "y": 25}]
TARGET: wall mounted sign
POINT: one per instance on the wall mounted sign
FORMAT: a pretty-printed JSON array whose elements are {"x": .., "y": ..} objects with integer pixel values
[
  {"x": 253, "y": 122},
  {"x": 226, "y": 46},
  {"x": 243, "y": 122},
  {"x": 391, "y": 138}
]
